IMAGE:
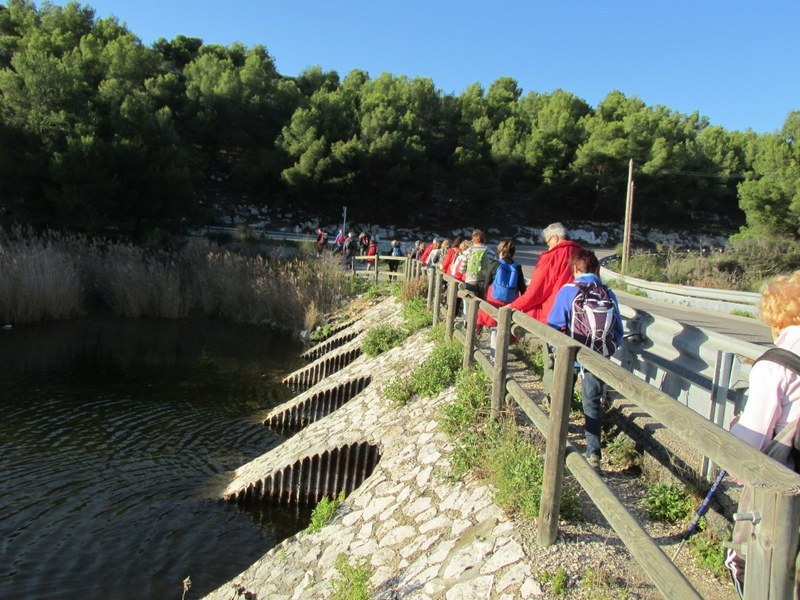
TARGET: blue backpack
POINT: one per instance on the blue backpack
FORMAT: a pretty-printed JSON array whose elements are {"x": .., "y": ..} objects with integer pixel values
[{"x": 504, "y": 285}]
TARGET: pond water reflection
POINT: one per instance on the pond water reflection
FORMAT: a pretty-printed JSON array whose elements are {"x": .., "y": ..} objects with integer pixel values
[{"x": 116, "y": 439}]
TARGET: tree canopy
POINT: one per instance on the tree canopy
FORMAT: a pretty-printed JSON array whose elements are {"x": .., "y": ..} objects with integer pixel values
[{"x": 97, "y": 130}]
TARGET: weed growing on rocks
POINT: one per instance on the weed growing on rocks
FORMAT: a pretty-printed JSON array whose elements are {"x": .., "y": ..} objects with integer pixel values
[
  {"x": 324, "y": 513},
  {"x": 471, "y": 406},
  {"x": 352, "y": 581},
  {"x": 434, "y": 375},
  {"x": 599, "y": 586},
  {"x": 439, "y": 370},
  {"x": 321, "y": 333},
  {"x": 382, "y": 338},
  {"x": 400, "y": 391},
  {"x": 416, "y": 314},
  {"x": 558, "y": 581},
  {"x": 668, "y": 503}
]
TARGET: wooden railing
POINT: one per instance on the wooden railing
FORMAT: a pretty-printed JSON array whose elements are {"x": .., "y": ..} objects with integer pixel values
[
  {"x": 773, "y": 550},
  {"x": 374, "y": 263}
]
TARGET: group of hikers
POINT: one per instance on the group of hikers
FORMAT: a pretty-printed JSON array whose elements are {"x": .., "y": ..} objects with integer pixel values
[
  {"x": 565, "y": 292},
  {"x": 364, "y": 245}
]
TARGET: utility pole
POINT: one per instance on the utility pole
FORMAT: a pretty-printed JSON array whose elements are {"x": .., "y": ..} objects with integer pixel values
[{"x": 626, "y": 235}]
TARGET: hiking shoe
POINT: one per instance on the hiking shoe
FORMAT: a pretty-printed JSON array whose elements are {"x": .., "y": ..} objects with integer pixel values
[{"x": 594, "y": 462}]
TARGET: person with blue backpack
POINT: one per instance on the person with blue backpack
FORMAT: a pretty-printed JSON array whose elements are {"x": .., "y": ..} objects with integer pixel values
[
  {"x": 588, "y": 311},
  {"x": 504, "y": 282},
  {"x": 395, "y": 251}
]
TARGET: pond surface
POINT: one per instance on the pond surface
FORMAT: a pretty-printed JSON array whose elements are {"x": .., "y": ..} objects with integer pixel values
[{"x": 117, "y": 438}]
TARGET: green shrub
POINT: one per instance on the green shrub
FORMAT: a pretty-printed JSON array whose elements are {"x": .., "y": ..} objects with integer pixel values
[
  {"x": 321, "y": 333},
  {"x": 622, "y": 453},
  {"x": 667, "y": 503},
  {"x": 706, "y": 546},
  {"x": 558, "y": 581},
  {"x": 352, "y": 582},
  {"x": 497, "y": 450},
  {"x": 324, "y": 512},
  {"x": 373, "y": 291},
  {"x": 400, "y": 391},
  {"x": 650, "y": 267},
  {"x": 359, "y": 285},
  {"x": 471, "y": 405},
  {"x": 439, "y": 370},
  {"x": 382, "y": 338},
  {"x": 416, "y": 314}
]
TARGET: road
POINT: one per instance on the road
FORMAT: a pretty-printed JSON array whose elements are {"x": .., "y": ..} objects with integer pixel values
[{"x": 745, "y": 329}]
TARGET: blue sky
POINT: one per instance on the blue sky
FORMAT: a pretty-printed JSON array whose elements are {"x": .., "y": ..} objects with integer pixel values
[{"x": 733, "y": 61}]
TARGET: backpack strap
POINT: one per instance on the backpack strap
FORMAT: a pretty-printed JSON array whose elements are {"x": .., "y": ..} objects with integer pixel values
[{"x": 785, "y": 358}]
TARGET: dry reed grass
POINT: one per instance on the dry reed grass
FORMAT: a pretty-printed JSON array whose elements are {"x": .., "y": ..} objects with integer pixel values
[
  {"x": 54, "y": 277},
  {"x": 414, "y": 288}
]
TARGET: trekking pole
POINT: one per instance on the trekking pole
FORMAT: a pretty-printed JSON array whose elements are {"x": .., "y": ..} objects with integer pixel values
[{"x": 701, "y": 510}]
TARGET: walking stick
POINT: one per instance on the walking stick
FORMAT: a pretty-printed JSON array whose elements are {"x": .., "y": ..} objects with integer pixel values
[{"x": 701, "y": 510}]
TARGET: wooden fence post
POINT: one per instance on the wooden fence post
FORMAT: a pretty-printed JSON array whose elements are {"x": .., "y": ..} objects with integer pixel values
[
  {"x": 437, "y": 296},
  {"x": 452, "y": 301},
  {"x": 772, "y": 550},
  {"x": 553, "y": 476},
  {"x": 431, "y": 280},
  {"x": 547, "y": 369},
  {"x": 500, "y": 360},
  {"x": 376, "y": 270},
  {"x": 469, "y": 331}
]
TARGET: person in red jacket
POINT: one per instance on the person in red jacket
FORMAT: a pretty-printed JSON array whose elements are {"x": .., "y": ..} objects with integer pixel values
[
  {"x": 450, "y": 255},
  {"x": 372, "y": 251},
  {"x": 552, "y": 271},
  {"x": 428, "y": 250}
]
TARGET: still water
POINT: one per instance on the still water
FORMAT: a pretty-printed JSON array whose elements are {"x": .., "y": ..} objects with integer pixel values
[{"x": 116, "y": 440}]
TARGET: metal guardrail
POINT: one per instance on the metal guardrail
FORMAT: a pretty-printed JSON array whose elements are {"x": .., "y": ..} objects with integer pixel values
[
  {"x": 773, "y": 549},
  {"x": 702, "y": 370},
  {"x": 725, "y": 301},
  {"x": 259, "y": 233}
]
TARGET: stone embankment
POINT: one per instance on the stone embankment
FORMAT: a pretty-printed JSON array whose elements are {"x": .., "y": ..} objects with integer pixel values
[{"x": 423, "y": 534}]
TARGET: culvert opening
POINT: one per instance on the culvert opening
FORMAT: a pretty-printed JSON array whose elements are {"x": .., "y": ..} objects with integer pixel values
[
  {"x": 330, "y": 344},
  {"x": 314, "y": 373},
  {"x": 301, "y": 485},
  {"x": 320, "y": 405}
]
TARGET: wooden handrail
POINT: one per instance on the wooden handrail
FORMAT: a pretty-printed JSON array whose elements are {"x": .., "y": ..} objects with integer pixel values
[{"x": 772, "y": 552}]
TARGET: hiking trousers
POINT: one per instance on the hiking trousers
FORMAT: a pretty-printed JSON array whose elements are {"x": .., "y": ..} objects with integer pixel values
[{"x": 592, "y": 389}]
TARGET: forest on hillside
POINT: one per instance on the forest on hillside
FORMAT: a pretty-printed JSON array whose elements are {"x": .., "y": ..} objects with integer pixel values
[{"x": 100, "y": 132}]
